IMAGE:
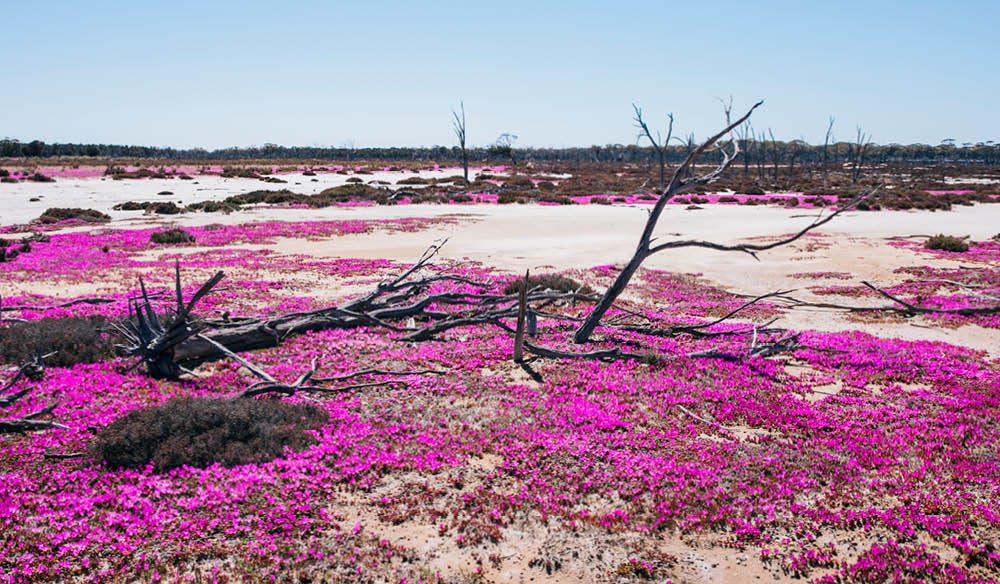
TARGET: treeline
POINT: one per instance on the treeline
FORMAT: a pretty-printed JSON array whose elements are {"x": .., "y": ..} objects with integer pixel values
[{"x": 755, "y": 152}]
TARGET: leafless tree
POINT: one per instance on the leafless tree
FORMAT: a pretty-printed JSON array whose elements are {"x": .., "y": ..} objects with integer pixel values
[
  {"x": 826, "y": 153},
  {"x": 458, "y": 126},
  {"x": 645, "y": 247},
  {"x": 659, "y": 144},
  {"x": 858, "y": 150}
]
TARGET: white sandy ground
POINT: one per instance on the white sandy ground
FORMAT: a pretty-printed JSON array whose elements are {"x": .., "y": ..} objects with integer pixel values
[{"x": 515, "y": 237}]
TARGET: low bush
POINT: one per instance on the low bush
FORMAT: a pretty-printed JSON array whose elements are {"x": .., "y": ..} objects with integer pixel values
[
  {"x": 74, "y": 339},
  {"x": 168, "y": 208},
  {"x": 132, "y": 206},
  {"x": 599, "y": 201},
  {"x": 213, "y": 207},
  {"x": 947, "y": 243},
  {"x": 199, "y": 432},
  {"x": 728, "y": 199},
  {"x": 171, "y": 236},
  {"x": 57, "y": 214},
  {"x": 4, "y": 173},
  {"x": 548, "y": 282},
  {"x": 519, "y": 181},
  {"x": 39, "y": 177}
]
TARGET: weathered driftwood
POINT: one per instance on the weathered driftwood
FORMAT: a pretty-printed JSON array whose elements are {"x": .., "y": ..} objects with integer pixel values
[
  {"x": 402, "y": 304},
  {"x": 33, "y": 370}
]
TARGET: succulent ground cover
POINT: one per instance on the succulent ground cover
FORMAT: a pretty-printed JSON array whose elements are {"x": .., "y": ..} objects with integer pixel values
[{"x": 852, "y": 458}]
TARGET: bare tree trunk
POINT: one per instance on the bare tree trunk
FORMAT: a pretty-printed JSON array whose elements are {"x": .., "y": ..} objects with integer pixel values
[
  {"x": 659, "y": 145},
  {"x": 644, "y": 248},
  {"x": 458, "y": 125},
  {"x": 826, "y": 153},
  {"x": 858, "y": 158}
]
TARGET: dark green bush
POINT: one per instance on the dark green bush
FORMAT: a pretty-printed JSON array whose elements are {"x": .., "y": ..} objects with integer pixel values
[
  {"x": 57, "y": 214},
  {"x": 947, "y": 243},
  {"x": 39, "y": 177},
  {"x": 74, "y": 339},
  {"x": 728, "y": 199},
  {"x": 199, "y": 432},
  {"x": 4, "y": 173},
  {"x": 171, "y": 236}
]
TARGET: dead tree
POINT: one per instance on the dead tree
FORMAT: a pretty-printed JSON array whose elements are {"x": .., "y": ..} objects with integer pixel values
[
  {"x": 659, "y": 144},
  {"x": 33, "y": 370},
  {"x": 458, "y": 126},
  {"x": 826, "y": 153},
  {"x": 155, "y": 343},
  {"x": 858, "y": 150},
  {"x": 402, "y": 305},
  {"x": 645, "y": 248}
]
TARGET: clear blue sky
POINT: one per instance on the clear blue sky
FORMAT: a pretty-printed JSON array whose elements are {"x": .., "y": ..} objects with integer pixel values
[{"x": 239, "y": 73}]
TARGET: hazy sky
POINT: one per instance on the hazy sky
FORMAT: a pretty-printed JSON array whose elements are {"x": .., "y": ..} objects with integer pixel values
[{"x": 238, "y": 73}]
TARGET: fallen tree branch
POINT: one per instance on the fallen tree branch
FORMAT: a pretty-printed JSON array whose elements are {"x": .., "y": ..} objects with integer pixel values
[{"x": 913, "y": 309}]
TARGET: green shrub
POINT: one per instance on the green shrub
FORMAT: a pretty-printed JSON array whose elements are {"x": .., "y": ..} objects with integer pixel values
[
  {"x": 57, "y": 214},
  {"x": 171, "y": 236},
  {"x": 39, "y": 177},
  {"x": 599, "y": 201},
  {"x": 74, "y": 339},
  {"x": 947, "y": 243},
  {"x": 728, "y": 199},
  {"x": 199, "y": 432}
]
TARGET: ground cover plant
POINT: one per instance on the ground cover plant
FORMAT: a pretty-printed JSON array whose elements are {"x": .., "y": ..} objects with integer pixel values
[{"x": 846, "y": 458}]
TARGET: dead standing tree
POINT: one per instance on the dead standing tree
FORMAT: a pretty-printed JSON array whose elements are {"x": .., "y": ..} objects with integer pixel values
[
  {"x": 458, "y": 126},
  {"x": 645, "y": 247},
  {"x": 659, "y": 144}
]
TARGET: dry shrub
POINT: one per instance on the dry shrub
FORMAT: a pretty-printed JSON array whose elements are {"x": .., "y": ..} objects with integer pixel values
[
  {"x": 548, "y": 282},
  {"x": 199, "y": 432},
  {"x": 74, "y": 339},
  {"x": 39, "y": 177},
  {"x": 168, "y": 208},
  {"x": 132, "y": 206},
  {"x": 171, "y": 236},
  {"x": 413, "y": 180},
  {"x": 57, "y": 214},
  {"x": 518, "y": 181},
  {"x": 947, "y": 243}
]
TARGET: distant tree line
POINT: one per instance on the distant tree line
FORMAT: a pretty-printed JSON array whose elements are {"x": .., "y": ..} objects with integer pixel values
[{"x": 757, "y": 152}]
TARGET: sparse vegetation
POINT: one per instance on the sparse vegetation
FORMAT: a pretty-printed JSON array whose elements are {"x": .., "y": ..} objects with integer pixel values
[{"x": 947, "y": 243}]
